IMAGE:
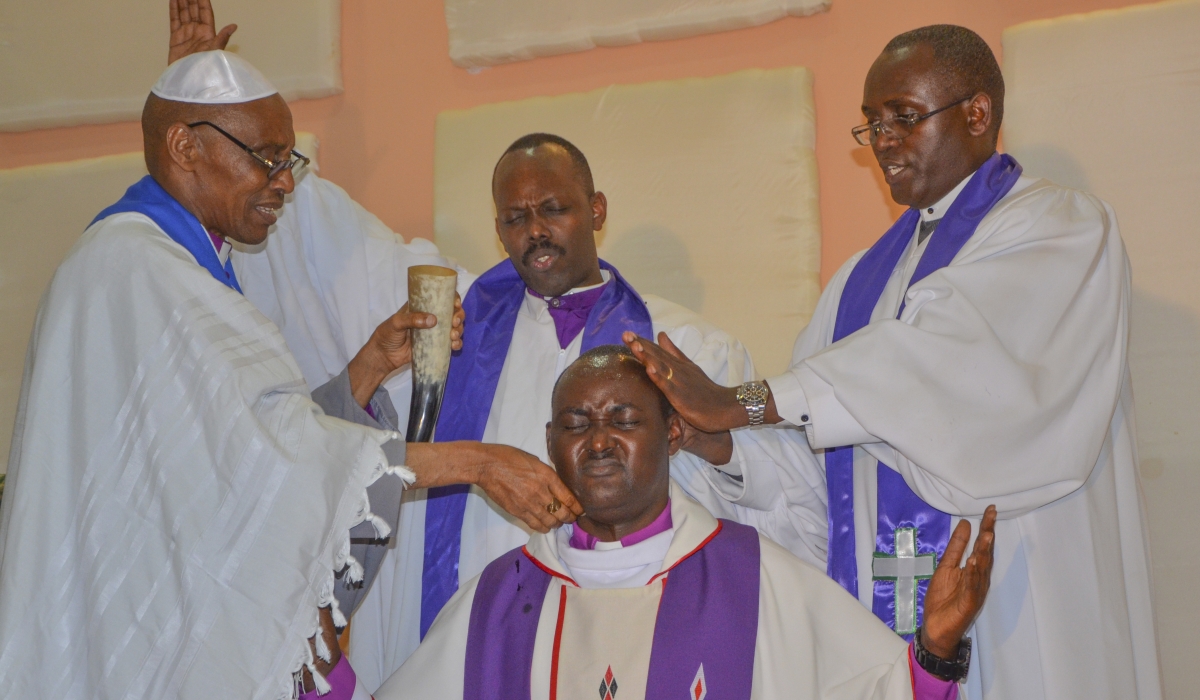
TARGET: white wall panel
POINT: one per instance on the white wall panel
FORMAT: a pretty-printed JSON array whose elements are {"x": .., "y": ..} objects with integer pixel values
[
  {"x": 711, "y": 186},
  {"x": 83, "y": 61},
  {"x": 487, "y": 32},
  {"x": 1107, "y": 102}
]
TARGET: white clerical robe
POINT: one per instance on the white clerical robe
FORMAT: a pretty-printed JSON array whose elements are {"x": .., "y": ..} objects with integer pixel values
[
  {"x": 176, "y": 504},
  {"x": 1005, "y": 381},
  {"x": 813, "y": 640}
]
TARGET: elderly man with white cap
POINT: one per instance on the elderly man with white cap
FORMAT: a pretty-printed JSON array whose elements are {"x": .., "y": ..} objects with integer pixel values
[{"x": 178, "y": 505}]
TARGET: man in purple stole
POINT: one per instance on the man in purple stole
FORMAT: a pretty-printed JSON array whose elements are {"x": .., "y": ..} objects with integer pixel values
[
  {"x": 647, "y": 595},
  {"x": 527, "y": 319},
  {"x": 975, "y": 354}
]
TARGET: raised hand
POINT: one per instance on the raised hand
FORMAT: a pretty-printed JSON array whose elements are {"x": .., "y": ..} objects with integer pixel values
[
  {"x": 390, "y": 347},
  {"x": 702, "y": 402},
  {"x": 194, "y": 29},
  {"x": 956, "y": 594}
]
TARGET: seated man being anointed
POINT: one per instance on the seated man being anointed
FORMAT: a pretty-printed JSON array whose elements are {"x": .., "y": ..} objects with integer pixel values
[{"x": 650, "y": 594}]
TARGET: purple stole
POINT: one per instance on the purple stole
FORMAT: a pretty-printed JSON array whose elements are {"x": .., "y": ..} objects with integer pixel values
[
  {"x": 898, "y": 507},
  {"x": 491, "y": 310},
  {"x": 708, "y": 615},
  {"x": 149, "y": 198}
]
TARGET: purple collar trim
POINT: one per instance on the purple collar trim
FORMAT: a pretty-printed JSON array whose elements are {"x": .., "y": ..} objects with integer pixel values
[
  {"x": 570, "y": 312},
  {"x": 582, "y": 540}
]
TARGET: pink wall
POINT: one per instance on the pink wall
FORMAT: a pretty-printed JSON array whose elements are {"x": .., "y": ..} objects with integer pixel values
[{"x": 377, "y": 137}]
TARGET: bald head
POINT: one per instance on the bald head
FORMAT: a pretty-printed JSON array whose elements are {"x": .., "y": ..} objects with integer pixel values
[
  {"x": 963, "y": 60},
  {"x": 529, "y": 146},
  {"x": 615, "y": 362},
  {"x": 611, "y": 437},
  {"x": 218, "y": 181}
]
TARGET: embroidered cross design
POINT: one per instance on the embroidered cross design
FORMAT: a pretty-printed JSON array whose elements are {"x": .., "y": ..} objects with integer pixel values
[
  {"x": 905, "y": 568},
  {"x": 699, "y": 689},
  {"x": 608, "y": 686}
]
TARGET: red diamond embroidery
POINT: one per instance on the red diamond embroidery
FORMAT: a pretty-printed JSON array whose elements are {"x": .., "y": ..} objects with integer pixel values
[
  {"x": 699, "y": 685},
  {"x": 608, "y": 686}
]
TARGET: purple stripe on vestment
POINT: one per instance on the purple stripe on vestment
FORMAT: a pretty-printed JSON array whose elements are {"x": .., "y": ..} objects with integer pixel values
[
  {"x": 504, "y": 622},
  {"x": 899, "y": 507},
  {"x": 708, "y": 616},
  {"x": 582, "y": 540},
  {"x": 491, "y": 310},
  {"x": 897, "y": 504}
]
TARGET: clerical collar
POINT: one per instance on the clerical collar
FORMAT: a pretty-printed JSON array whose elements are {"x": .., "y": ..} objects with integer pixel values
[
  {"x": 221, "y": 247},
  {"x": 938, "y": 210},
  {"x": 582, "y": 540},
  {"x": 570, "y": 310}
]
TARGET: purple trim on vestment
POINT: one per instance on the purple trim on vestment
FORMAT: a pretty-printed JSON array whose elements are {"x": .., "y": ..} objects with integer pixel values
[
  {"x": 708, "y": 616},
  {"x": 148, "y": 198},
  {"x": 506, "y": 607},
  {"x": 491, "y": 310},
  {"x": 582, "y": 540},
  {"x": 927, "y": 686},
  {"x": 570, "y": 312},
  {"x": 342, "y": 681},
  {"x": 898, "y": 506}
]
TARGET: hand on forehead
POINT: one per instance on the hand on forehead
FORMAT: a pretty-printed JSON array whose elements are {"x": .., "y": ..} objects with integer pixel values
[{"x": 609, "y": 370}]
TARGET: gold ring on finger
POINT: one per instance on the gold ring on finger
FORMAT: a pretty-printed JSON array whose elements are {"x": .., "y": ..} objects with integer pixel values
[
  {"x": 670, "y": 373},
  {"x": 553, "y": 507}
]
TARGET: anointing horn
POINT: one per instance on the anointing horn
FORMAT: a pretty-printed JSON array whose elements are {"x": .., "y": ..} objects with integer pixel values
[{"x": 430, "y": 290}]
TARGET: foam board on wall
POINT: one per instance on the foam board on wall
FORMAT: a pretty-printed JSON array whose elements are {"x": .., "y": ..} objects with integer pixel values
[
  {"x": 1106, "y": 102},
  {"x": 119, "y": 48},
  {"x": 711, "y": 186},
  {"x": 43, "y": 209},
  {"x": 486, "y": 32}
]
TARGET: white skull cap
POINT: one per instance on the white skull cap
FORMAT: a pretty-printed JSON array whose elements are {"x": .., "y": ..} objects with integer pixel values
[{"x": 213, "y": 78}]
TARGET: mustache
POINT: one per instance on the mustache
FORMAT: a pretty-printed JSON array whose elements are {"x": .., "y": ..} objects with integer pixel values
[{"x": 539, "y": 246}]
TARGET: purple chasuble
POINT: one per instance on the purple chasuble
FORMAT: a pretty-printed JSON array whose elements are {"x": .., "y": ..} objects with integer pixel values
[
  {"x": 920, "y": 530},
  {"x": 491, "y": 309},
  {"x": 148, "y": 198},
  {"x": 570, "y": 312},
  {"x": 708, "y": 616}
]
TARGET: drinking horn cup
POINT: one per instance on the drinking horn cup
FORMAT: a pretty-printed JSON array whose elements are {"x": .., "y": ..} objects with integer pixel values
[{"x": 430, "y": 290}]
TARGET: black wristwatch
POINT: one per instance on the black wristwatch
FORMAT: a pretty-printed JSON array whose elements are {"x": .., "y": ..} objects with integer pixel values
[{"x": 955, "y": 670}]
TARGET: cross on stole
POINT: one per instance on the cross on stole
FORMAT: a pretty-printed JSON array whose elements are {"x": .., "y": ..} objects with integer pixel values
[{"x": 905, "y": 568}]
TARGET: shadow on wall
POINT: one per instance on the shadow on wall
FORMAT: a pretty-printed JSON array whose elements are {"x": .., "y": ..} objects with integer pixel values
[
  {"x": 1054, "y": 164},
  {"x": 655, "y": 260}
]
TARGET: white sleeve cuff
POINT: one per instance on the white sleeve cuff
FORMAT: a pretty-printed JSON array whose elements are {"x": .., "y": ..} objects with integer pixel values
[
  {"x": 790, "y": 400},
  {"x": 830, "y": 424}
]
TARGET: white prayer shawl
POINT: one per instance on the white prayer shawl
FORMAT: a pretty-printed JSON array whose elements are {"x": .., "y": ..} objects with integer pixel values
[
  {"x": 1005, "y": 381},
  {"x": 176, "y": 503},
  {"x": 814, "y": 642}
]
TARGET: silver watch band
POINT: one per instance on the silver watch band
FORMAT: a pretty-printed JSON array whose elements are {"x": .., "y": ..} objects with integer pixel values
[{"x": 753, "y": 397}]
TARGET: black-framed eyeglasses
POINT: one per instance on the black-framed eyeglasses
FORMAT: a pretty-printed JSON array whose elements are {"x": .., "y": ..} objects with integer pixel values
[
  {"x": 274, "y": 167},
  {"x": 899, "y": 127}
]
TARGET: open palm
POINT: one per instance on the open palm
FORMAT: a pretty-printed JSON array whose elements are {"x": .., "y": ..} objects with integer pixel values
[
  {"x": 956, "y": 594},
  {"x": 193, "y": 29}
]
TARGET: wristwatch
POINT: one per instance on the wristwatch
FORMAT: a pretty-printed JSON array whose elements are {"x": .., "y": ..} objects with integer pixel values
[
  {"x": 753, "y": 397},
  {"x": 955, "y": 670}
]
